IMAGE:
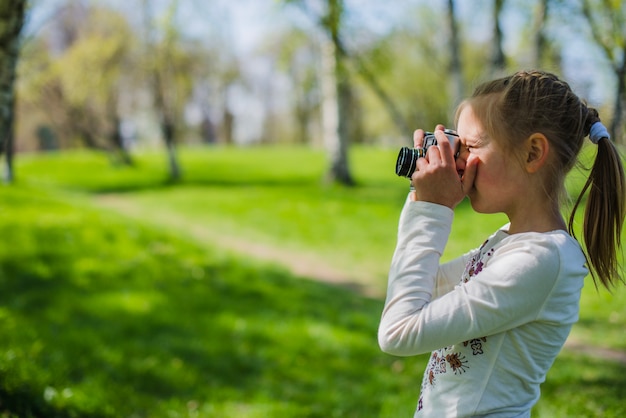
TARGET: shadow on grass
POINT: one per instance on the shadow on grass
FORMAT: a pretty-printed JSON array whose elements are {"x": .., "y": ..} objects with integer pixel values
[
  {"x": 164, "y": 184},
  {"x": 101, "y": 319},
  {"x": 238, "y": 182},
  {"x": 600, "y": 331}
]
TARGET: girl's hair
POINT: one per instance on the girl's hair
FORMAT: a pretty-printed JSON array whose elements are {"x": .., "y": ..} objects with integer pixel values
[{"x": 514, "y": 107}]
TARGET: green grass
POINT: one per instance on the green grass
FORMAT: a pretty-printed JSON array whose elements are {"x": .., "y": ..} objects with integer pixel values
[
  {"x": 119, "y": 298},
  {"x": 273, "y": 196},
  {"x": 102, "y": 317}
]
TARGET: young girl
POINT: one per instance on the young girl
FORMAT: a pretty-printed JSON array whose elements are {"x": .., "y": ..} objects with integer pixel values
[{"x": 498, "y": 316}]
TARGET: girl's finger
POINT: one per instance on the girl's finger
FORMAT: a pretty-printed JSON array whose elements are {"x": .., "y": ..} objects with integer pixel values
[{"x": 418, "y": 138}]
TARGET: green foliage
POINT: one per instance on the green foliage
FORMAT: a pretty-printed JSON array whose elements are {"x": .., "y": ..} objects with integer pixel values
[
  {"x": 414, "y": 81},
  {"x": 104, "y": 315}
]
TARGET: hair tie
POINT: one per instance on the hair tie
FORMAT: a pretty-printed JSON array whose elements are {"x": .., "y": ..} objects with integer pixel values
[{"x": 597, "y": 132}]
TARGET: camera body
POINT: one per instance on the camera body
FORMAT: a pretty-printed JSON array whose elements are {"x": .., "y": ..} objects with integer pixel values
[{"x": 407, "y": 158}]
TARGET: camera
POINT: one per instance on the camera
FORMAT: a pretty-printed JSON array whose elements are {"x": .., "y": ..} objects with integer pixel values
[{"x": 407, "y": 158}]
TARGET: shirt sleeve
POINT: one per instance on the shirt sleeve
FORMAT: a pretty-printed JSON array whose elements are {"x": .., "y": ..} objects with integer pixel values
[
  {"x": 511, "y": 290},
  {"x": 448, "y": 276}
]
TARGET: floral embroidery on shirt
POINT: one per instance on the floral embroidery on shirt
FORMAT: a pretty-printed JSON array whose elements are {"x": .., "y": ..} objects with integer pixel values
[
  {"x": 476, "y": 344},
  {"x": 477, "y": 262},
  {"x": 444, "y": 360},
  {"x": 438, "y": 363},
  {"x": 457, "y": 362},
  {"x": 447, "y": 360},
  {"x": 442, "y": 363}
]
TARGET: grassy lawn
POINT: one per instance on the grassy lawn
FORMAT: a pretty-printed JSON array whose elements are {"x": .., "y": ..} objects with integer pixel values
[
  {"x": 266, "y": 195},
  {"x": 122, "y": 295}
]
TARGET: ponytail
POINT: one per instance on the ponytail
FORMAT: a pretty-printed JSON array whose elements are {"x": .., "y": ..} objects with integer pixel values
[{"x": 605, "y": 207}]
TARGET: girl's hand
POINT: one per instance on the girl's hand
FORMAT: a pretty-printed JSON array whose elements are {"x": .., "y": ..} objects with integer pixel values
[
  {"x": 418, "y": 142},
  {"x": 436, "y": 179}
]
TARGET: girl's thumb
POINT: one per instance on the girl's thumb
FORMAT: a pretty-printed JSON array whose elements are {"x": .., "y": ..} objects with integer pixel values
[{"x": 469, "y": 174}]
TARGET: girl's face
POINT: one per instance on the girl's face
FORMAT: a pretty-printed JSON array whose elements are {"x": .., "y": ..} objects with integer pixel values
[{"x": 500, "y": 179}]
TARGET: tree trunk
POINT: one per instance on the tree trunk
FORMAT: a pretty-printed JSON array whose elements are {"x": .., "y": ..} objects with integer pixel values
[
  {"x": 330, "y": 108},
  {"x": 11, "y": 22},
  {"x": 117, "y": 142},
  {"x": 498, "y": 59},
  {"x": 163, "y": 107},
  {"x": 340, "y": 169},
  {"x": 539, "y": 21},
  {"x": 167, "y": 128},
  {"x": 456, "y": 69},
  {"x": 8, "y": 127},
  {"x": 334, "y": 124},
  {"x": 616, "y": 128},
  {"x": 228, "y": 126},
  {"x": 303, "y": 116},
  {"x": 336, "y": 98}
]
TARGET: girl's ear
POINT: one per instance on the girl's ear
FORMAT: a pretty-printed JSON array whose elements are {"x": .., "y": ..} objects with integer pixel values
[{"x": 537, "y": 149}]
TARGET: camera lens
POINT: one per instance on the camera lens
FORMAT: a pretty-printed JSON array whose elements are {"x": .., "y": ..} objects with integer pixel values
[
  {"x": 405, "y": 165},
  {"x": 407, "y": 158}
]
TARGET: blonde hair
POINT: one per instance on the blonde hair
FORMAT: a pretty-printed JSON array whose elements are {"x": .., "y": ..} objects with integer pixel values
[{"x": 514, "y": 107}]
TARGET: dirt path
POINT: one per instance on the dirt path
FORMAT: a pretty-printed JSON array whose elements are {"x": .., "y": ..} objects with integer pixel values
[
  {"x": 580, "y": 347},
  {"x": 301, "y": 264}
]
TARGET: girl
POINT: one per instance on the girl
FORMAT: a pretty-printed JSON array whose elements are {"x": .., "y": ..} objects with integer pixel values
[{"x": 498, "y": 316}]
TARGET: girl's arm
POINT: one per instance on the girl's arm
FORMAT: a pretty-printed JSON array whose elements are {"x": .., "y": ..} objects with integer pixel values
[{"x": 510, "y": 291}]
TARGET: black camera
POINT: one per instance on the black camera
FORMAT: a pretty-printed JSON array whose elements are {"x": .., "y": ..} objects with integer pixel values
[{"x": 407, "y": 158}]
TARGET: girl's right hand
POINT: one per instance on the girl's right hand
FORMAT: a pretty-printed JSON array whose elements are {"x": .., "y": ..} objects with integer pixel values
[
  {"x": 418, "y": 142},
  {"x": 436, "y": 178}
]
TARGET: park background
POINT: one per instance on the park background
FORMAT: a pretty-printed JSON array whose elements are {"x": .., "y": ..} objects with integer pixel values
[{"x": 200, "y": 206}]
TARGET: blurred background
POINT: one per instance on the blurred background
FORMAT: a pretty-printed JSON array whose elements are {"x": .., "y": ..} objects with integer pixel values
[
  {"x": 122, "y": 76},
  {"x": 199, "y": 204}
]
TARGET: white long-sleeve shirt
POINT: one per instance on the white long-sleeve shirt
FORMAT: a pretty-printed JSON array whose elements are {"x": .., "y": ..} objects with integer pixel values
[{"x": 495, "y": 319}]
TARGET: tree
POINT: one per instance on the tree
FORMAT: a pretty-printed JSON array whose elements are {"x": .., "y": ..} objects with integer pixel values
[
  {"x": 407, "y": 64},
  {"x": 299, "y": 58},
  {"x": 607, "y": 22},
  {"x": 456, "y": 67},
  {"x": 336, "y": 91},
  {"x": 169, "y": 69},
  {"x": 91, "y": 74},
  {"x": 11, "y": 23},
  {"x": 374, "y": 83},
  {"x": 539, "y": 22},
  {"x": 498, "y": 59},
  {"x": 73, "y": 76},
  {"x": 337, "y": 95}
]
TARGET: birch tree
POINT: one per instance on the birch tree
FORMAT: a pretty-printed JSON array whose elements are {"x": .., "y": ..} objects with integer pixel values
[
  {"x": 336, "y": 96},
  {"x": 336, "y": 90},
  {"x": 456, "y": 68},
  {"x": 169, "y": 84},
  {"x": 540, "y": 17},
  {"x": 498, "y": 58},
  {"x": 11, "y": 23}
]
